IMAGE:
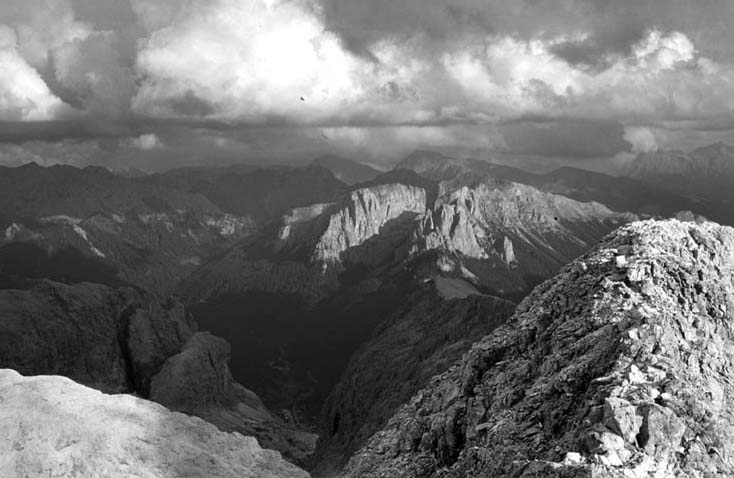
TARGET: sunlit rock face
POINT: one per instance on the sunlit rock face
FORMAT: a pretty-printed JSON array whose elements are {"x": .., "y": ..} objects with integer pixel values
[
  {"x": 314, "y": 245},
  {"x": 505, "y": 233},
  {"x": 617, "y": 367},
  {"x": 52, "y": 426},
  {"x": 364, "y": 215}
]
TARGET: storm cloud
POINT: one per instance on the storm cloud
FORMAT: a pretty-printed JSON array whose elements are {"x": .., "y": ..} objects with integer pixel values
[{"x": 575, "y": 78}]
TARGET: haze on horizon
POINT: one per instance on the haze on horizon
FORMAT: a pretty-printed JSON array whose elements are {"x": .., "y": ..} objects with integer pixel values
[{"x": 155, "y": 84}]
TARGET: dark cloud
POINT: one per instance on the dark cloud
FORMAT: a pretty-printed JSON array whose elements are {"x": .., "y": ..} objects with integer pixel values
[
  {"x": 598, "y": 50},
  {"x": 571, "y": 139},
  {"x": 238, "y": 78},
  {"x": 20, "y": 132},
  {"x": 612, "y": 26}
]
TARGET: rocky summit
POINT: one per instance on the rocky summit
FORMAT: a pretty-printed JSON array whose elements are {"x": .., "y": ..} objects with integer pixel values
[
  {"x": 53, "y": 427},
  {"x": 620, "y": 366}
]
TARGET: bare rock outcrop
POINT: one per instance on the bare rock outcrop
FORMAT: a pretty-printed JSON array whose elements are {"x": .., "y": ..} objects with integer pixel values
[
  {"x": 365, "y": 213},
  {"x": 125, "y": 341},
  {"x": 198, "y": 381},
  {"x": 618, "y": 367},
  {"x": 51, "y": 426}
]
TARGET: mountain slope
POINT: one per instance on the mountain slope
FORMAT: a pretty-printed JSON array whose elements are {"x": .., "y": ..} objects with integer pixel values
[
  {"x": 617, "y": 367},
  {"x": 139, "y": 233},
  {"x": 263, "y": 194},
  {"x": 630, "y": 194},
  {"x": 706, "y": 172},
  {"x": 423, "y": 337},
  {"x": 51, "y": 426},
  {"x": 439, "y": 167},
  {"x": 346, "y": 170},
  {"x": 617, "y": 193}
]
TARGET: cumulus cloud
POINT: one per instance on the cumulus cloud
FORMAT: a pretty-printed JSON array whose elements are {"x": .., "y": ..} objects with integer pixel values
[
  {"x": 641, "y": 139},
  {"x": 92, "y": 76},
  {"x": 242, "y": 59},
  {"x": 592, "y": 80},
  {"x": 24, "y": 95},
  {"x": 146, "y": 142}
]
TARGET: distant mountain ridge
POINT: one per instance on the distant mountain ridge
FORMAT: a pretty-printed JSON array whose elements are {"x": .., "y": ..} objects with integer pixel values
[
  {"x": 149, "y": 231},
  {"x": 706, "y": 172},
  {"x": 347, "y": 170},
  {"x": 640, "y": 195}
]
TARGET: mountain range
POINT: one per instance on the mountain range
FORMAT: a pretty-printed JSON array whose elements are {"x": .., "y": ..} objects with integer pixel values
[{"x": 385, "y": 312}]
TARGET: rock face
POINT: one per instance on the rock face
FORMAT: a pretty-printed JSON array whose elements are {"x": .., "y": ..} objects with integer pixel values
[
  {"x": 110, "y": 339},
  {"x": 51, "y": 426},
  {"x": 197, "y": 381},
  {"x": 121, "y": 340},
  {"x": 363, "y": 216},
  {"x": 508, "y": 234},
  {"x": 314, "y": 245},
  {"x": 617, "y": 367}
]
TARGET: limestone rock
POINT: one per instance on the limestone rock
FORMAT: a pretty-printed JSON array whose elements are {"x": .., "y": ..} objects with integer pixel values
[
  {"x": 53, "y": 427},
  {"x": 594, "y": 376},
  {"x": 120, "y": 340},
  {"x": 365, "y": 212},
  {"x": 197, "y": 376}
]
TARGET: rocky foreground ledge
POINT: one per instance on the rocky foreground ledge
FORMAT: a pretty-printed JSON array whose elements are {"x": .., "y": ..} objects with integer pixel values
[
  {"x": 621, "y": 366},
  {"x": 53, "y": 427}
]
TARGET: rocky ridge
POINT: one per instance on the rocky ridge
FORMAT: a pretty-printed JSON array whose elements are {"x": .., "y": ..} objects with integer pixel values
[
  {"x": 505, "y": 233},
  {"x": 52, "y": 426},
  {"x": 617, "y": 367}
]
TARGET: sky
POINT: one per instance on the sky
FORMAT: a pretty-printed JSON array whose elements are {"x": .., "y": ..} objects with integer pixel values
[{"x": 154, "y": 84}]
